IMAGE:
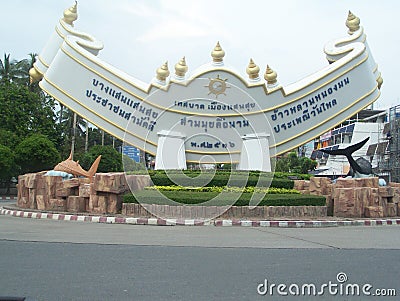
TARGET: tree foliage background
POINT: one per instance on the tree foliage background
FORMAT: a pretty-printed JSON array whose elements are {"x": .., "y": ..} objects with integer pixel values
[
  {"x": 292, "y": 163},
  {"x": 111, "y": 160},
  {"x": 36, "y": 153},
  {"x": 36, "y": 131}
]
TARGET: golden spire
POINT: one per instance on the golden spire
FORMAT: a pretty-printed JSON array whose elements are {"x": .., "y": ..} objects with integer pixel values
[
  {"x": 34, "y": 75},
  {"x": 181, "y": 68},
  {"x": 71, "y": 14},
  {"x": 352, "y": 23},
  {"x": 379, "y": 81},
  {"x": 270, "y": 76},
  {"x": 163, "y": 72},
  {"x": 252, "y": 70},
  {"x": 218, "y": 54}
]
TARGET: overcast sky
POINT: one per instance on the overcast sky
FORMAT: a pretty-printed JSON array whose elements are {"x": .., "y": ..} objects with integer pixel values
[{"x": 140, "y": 35}]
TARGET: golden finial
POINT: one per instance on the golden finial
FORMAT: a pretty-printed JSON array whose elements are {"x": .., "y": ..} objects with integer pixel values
[
  {"x": 270, "y": 76},
  {"x": 218, "y": 54},
  {"x": 380, "y": 82},
  {"x": 71, "y": 14},
  {"x": 181, "y": 68},
  {"x": 352, "y": 23},
  {"x": 34, "y": 75},
  {"x": 252, "y": 70},
  {"x": 163, "y": 72}
]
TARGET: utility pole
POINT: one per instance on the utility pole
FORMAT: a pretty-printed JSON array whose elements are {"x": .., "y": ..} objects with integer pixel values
[
  {"x": 73, "y": 136},
  {"x": 87, "y": 136}
]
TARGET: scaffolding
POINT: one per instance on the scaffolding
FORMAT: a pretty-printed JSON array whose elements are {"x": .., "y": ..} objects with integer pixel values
[
  {"x": 393, "y": 148},
  {"x": 380, "y": 153}
]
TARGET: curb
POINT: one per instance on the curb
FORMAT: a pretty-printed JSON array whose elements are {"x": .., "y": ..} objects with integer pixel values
[
  {"x": 305, "y": 224},
  {"x": 105, "y": 219},
  {"x": 198, "y": 222},
  {"x": 7, "y": 198}
]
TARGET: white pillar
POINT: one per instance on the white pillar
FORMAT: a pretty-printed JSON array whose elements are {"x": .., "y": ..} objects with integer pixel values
[
  {"x": 170, "y": 151},
  {"x": 255, "y": 153}
]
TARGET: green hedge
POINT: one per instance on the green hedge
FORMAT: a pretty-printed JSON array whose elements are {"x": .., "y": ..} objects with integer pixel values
[
  {"x": 193, "y": 198},
  {"x": 220, "y": 179},
  {"x": 219, "y": 189}
]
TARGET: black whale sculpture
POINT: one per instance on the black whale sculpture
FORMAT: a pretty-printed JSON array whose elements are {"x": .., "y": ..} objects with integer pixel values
[{"x": 360, "y": 167}]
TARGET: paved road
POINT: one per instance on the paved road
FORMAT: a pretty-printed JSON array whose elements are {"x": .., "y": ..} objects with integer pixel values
[
  {"x": 52, "y": 260},
  {"x": 25, "y": 229}
]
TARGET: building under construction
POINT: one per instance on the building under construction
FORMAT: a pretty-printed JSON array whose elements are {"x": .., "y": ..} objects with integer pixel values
[
  {"x": 392, "y": 154},
  {"x": 382, "y": 150}
]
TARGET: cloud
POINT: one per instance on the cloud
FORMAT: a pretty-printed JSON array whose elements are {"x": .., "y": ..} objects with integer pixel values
[
  {"x": 172, "y": 29},
  {"x": 177, "y": 20}
]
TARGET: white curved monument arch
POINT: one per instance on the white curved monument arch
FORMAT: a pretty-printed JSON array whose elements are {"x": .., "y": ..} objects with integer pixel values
[{"x": 214, "y": 115}]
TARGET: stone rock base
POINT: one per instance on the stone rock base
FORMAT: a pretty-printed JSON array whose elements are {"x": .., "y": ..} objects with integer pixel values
[
  {"x": 355, "y": 197},
  {"x": 104, "y": 195}
]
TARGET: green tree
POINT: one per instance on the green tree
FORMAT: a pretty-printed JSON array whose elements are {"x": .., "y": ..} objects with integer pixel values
[
  {"x": 131, "y": 165},
  {"x": 13, "y": 71},
  {"x": 77, "y": 133},
  {"x": 282, "y": 164},
  {"x": 111, "y": 160},
  {"x": 10, "y": 70},
  {"x": 306, "y": 164},
  {"x": 36, "y": 153},
  {"x": 7, "y": 163},
  {"x": 292, "y": 163},
  {"x": 8, "y": 138},
  {"x": 24, "y": 112}
]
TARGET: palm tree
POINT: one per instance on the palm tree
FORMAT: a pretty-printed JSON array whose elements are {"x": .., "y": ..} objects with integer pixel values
[
  {"x": 7, "y": 69},
  {"x": 86, "y": 136},
  {"x": 72, "y": 126},
  {"x": 15, "y": 71}
]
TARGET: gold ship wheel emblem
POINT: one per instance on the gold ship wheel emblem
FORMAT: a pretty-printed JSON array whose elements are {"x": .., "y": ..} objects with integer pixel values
[{"x": 217, "y": 86}]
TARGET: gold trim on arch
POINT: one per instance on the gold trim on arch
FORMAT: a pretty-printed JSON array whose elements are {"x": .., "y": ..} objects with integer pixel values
[
  {"x": 94, "y": 123},
  {"x": 343, "y": 63},
  {"x": 37, "y": 70},
  {"x": 330, "y": 118},
  {"x": 185, "y": 83},
  {"x": 304, "y": 142},
  {"x": 82, "y": 35},
  {"x": 221, "y": 69},
  {"x": 93, "y": 112},
  {"x": 212, "y": 153},
  {"x": 128, "y": 132},
  {"x": 346, "y": 40},
  {"x": 60, "y": 33},
  {"x": 43, "y": 62}
]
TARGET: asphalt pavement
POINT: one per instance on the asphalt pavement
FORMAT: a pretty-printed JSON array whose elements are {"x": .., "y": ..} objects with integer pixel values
[{"x": 59, "y": 260}]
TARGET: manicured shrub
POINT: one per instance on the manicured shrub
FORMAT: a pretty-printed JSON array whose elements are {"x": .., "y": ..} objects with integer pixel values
[
  {"x": 243, "y": 199},
  {"x": 219, "y": 189},
  {"x": 220, "y": 179}
]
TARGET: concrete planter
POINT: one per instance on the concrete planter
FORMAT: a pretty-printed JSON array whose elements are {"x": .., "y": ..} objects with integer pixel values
[{"x": 194, "y": 212}]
